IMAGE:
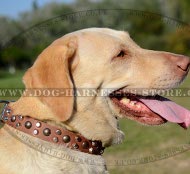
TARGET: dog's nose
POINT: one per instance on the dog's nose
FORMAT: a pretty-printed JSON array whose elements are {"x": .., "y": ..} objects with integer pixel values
[{"x": 182, "y": 62}]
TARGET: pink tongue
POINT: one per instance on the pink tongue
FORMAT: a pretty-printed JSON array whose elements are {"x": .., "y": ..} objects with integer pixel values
[{"x": 168, "y": 110}]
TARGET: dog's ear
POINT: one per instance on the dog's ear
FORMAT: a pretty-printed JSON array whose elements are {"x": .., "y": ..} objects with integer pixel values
[{"x": 52, "y": 71}]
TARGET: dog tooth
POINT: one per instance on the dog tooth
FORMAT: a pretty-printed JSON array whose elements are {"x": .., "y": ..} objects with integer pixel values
[
  {"x": 133, "y": 103},
  {"x": 125, "y": 100}
]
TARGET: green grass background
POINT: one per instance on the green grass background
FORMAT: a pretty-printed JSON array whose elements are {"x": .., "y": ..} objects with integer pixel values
[{"x": 140, "y": 140}]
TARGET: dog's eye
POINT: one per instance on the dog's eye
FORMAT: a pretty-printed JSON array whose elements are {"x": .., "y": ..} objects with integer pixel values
[{"x": 121, "y": 54}]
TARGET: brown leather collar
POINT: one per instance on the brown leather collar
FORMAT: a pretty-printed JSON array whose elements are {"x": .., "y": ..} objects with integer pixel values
[{"x": 52, "y": 134}]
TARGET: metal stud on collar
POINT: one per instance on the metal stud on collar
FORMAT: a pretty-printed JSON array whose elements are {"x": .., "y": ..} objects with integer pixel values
[
  {"x": 13, "y": 118},
  {"x": 58, "y": 132},
  {"x": 5, "y": 118},
  {"x": 8, "y": 111},
  {"x": 85, "y": 145},
  {"x": 55, "y": 139},
  {"x": 91, "y": 150},
  {"x": 94, "y": 143},
  {"x": 28, "y": 125},
  {"x": 35, "y": 132},
  {"x": 38, "y": 124},
  {"x": 66, "y": 138},
  {"x": 75, "y": 146},
  {"x": 46, "y": 131},
  {"x": 20, "y": 117},
  {"x": 101, "y": 152},
  {"x": 18, "y": 124}
]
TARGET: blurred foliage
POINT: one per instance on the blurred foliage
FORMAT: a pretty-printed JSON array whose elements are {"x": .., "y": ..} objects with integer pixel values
[{"x": 23, "y": 38}]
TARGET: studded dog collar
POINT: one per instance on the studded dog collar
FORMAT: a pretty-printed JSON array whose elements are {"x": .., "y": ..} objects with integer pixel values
[{"x": 49, "y": 133}]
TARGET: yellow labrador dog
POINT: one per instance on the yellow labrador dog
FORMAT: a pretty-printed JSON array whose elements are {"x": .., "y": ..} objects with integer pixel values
[{"x": 94, "y": 76}]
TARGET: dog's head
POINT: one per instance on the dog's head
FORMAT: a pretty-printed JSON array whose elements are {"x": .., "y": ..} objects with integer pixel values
[{"x": 98, "y": 64}]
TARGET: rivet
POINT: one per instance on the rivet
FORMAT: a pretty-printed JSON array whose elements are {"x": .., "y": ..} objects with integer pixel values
[
  {"x": 55, "y": 139},
  {"x": 66, "y": 138},
  {"x": 5, "y": 118},
  {"x": 85, "y": 145},
  {"x": 78, "y": 139},
  {"x": 18, "y": 124},
  {"x": 75, "y": 146},
  {"x": 38, "y": 124},
  {"x": 13, "y": 118},
  {"x": 58, "y": 132},
  {"x": 94, "y": 143},
  {"x": 46, "y": 131},
  {"x": 28, "y": 125},
  {"x": 20, "y": 117},
  {"x": 36, "y": 132},
  {"x": 8, "y": 111},
  {"x": 91, "y": 150},
  {"x": 101, "y": 152}
]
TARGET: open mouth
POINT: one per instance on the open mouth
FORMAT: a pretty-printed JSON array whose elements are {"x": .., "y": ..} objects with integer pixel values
[{"x": 150, "y": 110}]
